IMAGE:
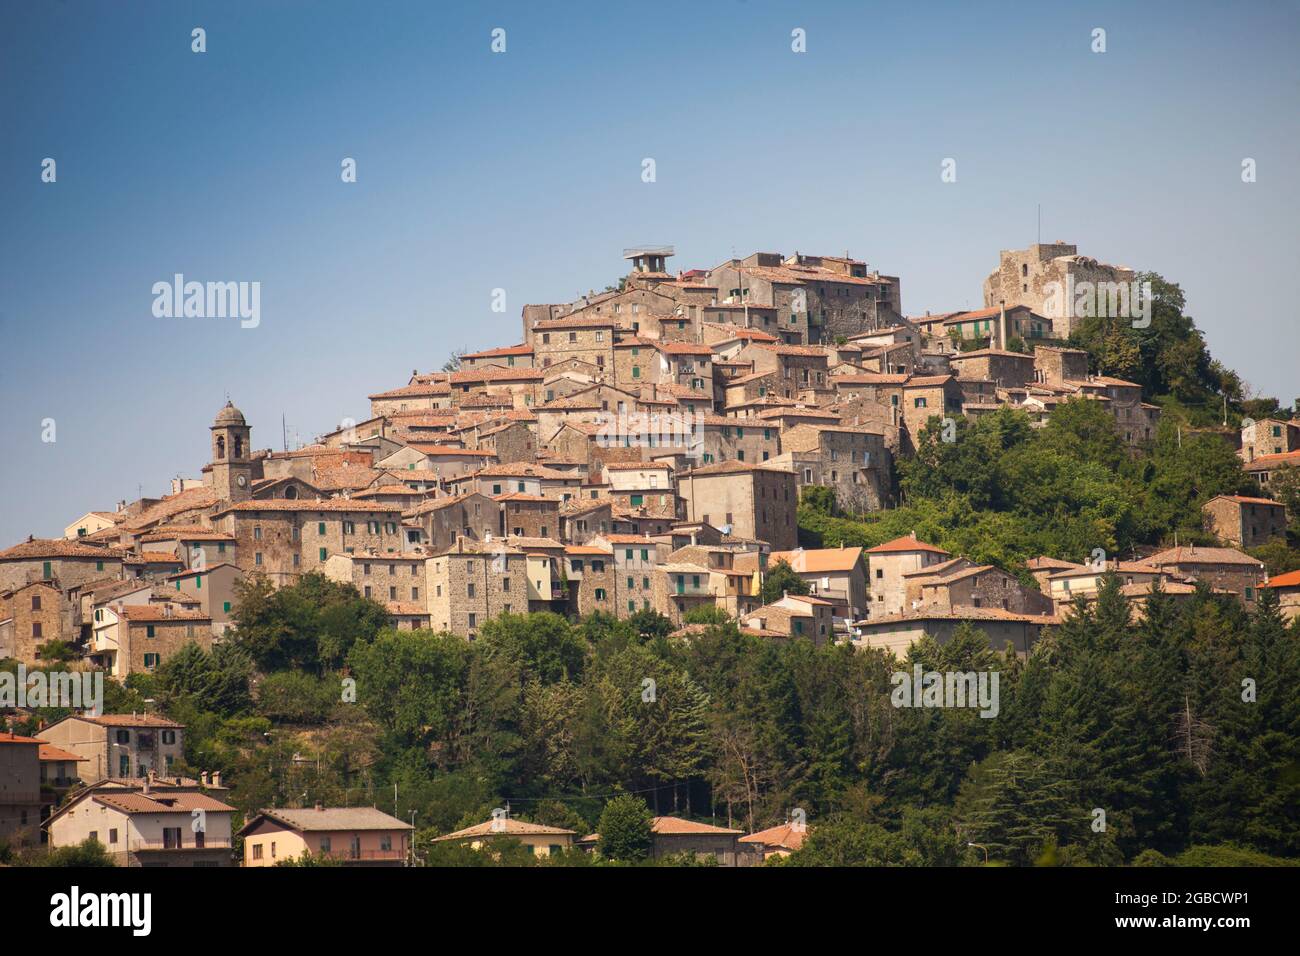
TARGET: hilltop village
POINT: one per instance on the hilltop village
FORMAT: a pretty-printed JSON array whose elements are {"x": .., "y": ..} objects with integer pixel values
[
  {"x": 641, "y": 449},
  {"x": 644, "y": 447}
]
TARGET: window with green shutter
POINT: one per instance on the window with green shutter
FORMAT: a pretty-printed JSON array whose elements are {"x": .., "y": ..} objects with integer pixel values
[
  {"x": 322, "y": 554},
  {"x": 320, "y": 528},
  {"x": 225, "y": 606},
  {"x": 148, "y": 630}
]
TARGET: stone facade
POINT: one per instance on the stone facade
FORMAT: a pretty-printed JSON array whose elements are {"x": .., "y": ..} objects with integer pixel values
[{"x": 1030, "y": 276}]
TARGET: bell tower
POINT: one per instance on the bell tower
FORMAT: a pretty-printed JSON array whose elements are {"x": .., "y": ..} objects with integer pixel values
[{"x": 232, "y": 470}]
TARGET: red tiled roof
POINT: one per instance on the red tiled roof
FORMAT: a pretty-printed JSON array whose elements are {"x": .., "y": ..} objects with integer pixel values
[{"x": 903, "y": 544}]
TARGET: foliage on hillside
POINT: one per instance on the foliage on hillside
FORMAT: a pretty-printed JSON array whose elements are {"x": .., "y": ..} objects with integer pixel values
[{"x": 554, "y": 719}]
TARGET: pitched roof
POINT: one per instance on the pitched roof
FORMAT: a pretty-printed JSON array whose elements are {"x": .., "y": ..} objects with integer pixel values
[
  {"x": 673, "y": 826},
  {"x": 817, "y": 560},
  {"x": 153, "y": 613},
  {"x": 904, "y": 544},
  {"x": 1198, "y": 555},
  {"x": 505, "y": 350},
  {"x": 311, "y": 819},
  {"x": 1289, "y": 580},
  {"x": 787, "y": 836},
  {"x": 52, "y": 753},
  {"x": 166, "y": 802},
  {"x": 131, "y": 720},
  {"x": 1242, "y": 500},
  {"x": 38, "y": 548},
  {"x": 506, "y": 826}
]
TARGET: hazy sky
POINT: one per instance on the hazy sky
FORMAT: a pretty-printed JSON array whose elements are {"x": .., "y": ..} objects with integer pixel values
[{"x": 522, "y": 171}]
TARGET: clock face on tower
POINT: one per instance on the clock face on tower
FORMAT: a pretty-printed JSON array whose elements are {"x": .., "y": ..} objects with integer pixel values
[{"x": 242, "y": 480}]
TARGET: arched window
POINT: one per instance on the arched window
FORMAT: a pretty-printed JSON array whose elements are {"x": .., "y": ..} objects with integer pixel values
[
  {"x": 221, "y": 446},
  {"x": 239, "y": 446}
]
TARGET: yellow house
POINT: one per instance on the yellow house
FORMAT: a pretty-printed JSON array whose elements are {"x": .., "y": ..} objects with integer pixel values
[
  {"x": 540, "y": 840},
  {"x": 357, "y": 836}
]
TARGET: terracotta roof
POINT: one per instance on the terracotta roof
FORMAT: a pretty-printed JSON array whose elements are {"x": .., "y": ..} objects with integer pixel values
[
  {"x": 492, "y": 373},
  {"x": 309, "y": 819},
  {"x": 742, "y": 332},
  {"x": 806, "y": 599},
  {"x": 194, "y": 533},
  {"x": 9, "y": 737},
  {"x": 166, "y": 802},
  {"x": 787, "y": 836},
  {"x": 505, "y": 350},
  {"x": 817, "y": 560},
  {"x": 1197, "y": 555},
  {"x": 152, "y": 613},
  {"x": 507, "y": 827},
  {"x": 58, "y": 548},
  {"x": 51, "y": 753},
  {"x": 131, "y": 720},
  {"x": 903, "y": 544},
  {"x": 1263, "y": 462},
  {"x": 325, "y": 504},
  {"x": 422, "y": 390},
  {"x": 672, "y": 826},
  {"x": 1241, "y": 500},
  {"x": 1289, "y": 580}
]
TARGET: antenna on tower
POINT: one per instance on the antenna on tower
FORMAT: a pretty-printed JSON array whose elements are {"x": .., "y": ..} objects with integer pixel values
[{"x": 284, "y": 432}]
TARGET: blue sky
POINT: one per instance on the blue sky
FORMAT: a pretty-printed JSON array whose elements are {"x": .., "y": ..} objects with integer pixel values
[{"x": 521, "y": 171}]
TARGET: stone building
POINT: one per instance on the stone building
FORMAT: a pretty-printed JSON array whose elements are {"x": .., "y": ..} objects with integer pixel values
[
  {"x": 122, "y": 746},
  {"x": 30, "y": 616},
  {"x": 1224, "y": 568},
  {"x": 1045, "y": 277},
  {"x": 746, "y": 500},
  {"x": 591, "y": 579},
  {"x": 1269, "y": 436},
  {"x": 851, "y": 460},
  {"x": 1244, "y": 522},
  {"x": 795, "y": 615},
  {"x": 838, "y": 575},
  {"x": 888, "y": 563},
  {"x": 137, "y": 638},
  {"x": 817, "y": 297},
  {"x": 474, "y": 581},
  {"x": 20, "y": 794},
  {"x": 1056, "y": 366},
  {"x": 283, "y": 539},
  {"x": 442, "y": 520},
  {"x": 529, "y": 516}
]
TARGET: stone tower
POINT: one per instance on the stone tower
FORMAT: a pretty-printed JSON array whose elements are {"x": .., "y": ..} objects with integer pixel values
[{"x": 232, "y": 470}]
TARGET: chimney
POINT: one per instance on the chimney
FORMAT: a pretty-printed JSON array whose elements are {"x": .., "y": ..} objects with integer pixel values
[
  {"x": 320, "y": 807},
  {"x": 216, "y": 778},
  {"x": 203, "y": 778}
]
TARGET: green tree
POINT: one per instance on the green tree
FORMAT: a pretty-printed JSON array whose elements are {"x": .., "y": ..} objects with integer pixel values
[
  {"x": 624, "y": 829},
  {"x": 782, "y": 579}
]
